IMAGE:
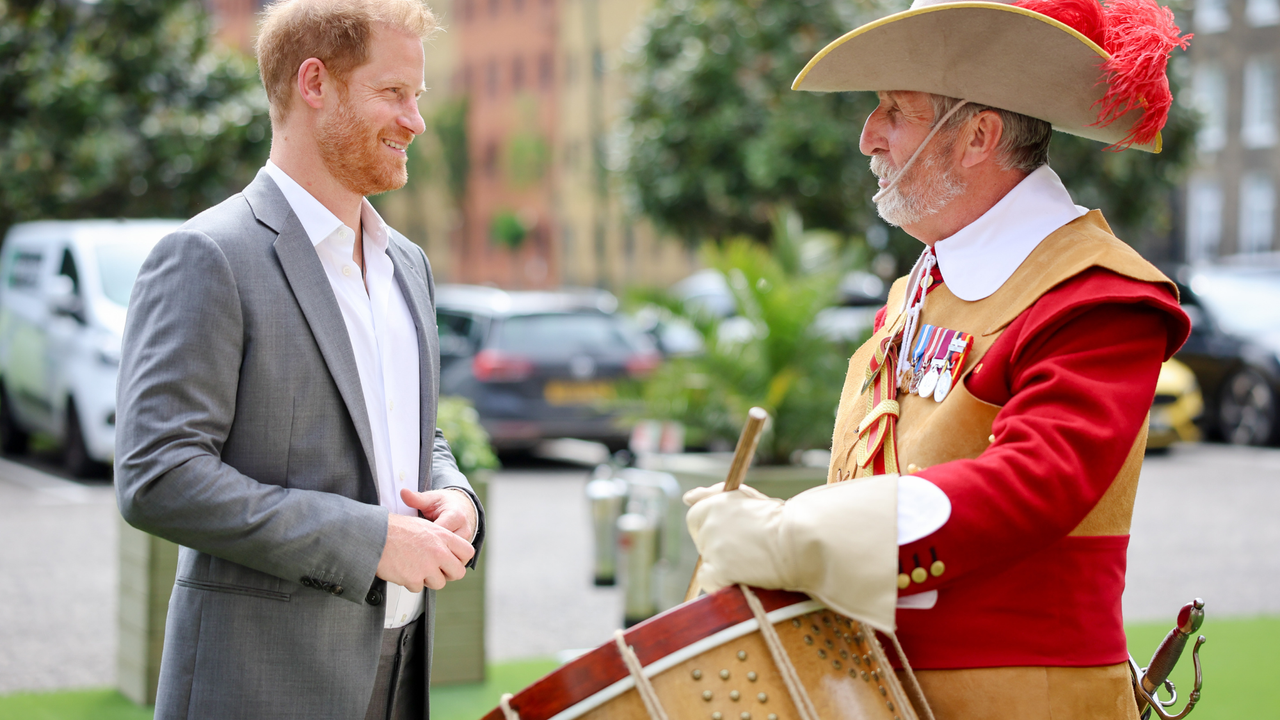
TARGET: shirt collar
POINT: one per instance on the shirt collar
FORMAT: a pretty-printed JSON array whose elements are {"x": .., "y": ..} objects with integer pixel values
[
  {"x": 318, "y": 222},
  {"x": 979, "y": 258}
]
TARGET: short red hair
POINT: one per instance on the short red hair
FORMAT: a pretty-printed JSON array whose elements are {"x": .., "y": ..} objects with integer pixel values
[{"x": 336, "y": 32}]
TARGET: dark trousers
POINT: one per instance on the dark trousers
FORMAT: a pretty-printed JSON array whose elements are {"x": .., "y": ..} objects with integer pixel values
[{"x": 400, "y": 691}]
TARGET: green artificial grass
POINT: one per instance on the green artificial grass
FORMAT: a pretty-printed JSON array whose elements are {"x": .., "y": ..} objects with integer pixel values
[
  {"x": 72, "y": 705},
  {"x": 472, "y": 701},
  {"x": 1239, "y": 662}
]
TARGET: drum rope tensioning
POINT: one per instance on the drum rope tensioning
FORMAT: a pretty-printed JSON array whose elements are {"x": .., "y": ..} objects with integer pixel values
[{"x": 781, "y": 660}]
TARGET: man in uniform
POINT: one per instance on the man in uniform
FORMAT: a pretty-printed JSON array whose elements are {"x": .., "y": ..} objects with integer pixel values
[
  {"x": 990, "y": 433},
  {"x": 277, "y": 400}
]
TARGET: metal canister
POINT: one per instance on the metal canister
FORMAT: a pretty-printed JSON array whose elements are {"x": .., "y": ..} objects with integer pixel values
[
  {"x": 606, "y": 496},
  {"x": 638, "y": 546}
]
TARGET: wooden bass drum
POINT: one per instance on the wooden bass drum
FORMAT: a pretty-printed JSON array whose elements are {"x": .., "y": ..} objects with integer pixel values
[{"x": 707, "y": 660}]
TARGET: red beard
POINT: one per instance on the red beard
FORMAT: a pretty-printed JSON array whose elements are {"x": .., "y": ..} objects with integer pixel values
[{"x": 353, "y": 152}]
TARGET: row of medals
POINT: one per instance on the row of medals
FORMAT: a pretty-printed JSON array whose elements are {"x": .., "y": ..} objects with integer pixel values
[{"x": 940, "y": 378}]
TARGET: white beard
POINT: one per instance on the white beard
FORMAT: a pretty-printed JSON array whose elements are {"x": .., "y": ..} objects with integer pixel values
[{"x": 927, "y": 189}]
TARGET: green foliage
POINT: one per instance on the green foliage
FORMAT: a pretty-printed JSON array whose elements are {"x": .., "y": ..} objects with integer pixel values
[
  {"x": 450, "y": 123},
  {"x": 527, "y": 157},
  {"x": 527, "y": 153},
  {"x": 508, "y": 230},
  {"x": 781, "y": 364},
  {"x": 122, "y": 108},
  {"x": 458, "y": 420},
  {"x": 717, "y": 141}
]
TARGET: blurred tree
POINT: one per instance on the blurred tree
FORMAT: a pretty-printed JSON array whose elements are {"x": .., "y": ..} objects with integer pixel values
[
  {"x": 450, "y": 124},
  {"x": 716, "y": 138},
  {"x": 122, "y": 108}
]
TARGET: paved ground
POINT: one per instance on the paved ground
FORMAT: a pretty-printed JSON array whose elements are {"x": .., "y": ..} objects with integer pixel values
[
  {"x": 57, "y": 581},
  {"x": 1203, "y": 527},
  {"x": 540, "y": 593}
]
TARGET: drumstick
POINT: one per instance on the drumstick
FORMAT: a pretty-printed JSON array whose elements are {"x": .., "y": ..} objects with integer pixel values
[{"x": 742, "y": 455}]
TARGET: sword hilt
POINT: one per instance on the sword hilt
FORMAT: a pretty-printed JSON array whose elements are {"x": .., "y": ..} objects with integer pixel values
[
  {"x": 1149, "y": 679},
  {"x": 1166, "y": 655}
]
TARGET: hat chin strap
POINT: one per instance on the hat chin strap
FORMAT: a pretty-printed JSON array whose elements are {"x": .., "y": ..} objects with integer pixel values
[{"x": 903, "y": 173}]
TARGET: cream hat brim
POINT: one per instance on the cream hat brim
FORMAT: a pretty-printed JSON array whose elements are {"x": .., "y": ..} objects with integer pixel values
[{"x": 984, "y": 52}]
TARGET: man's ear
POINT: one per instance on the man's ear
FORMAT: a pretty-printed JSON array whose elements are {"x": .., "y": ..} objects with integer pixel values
[
  {"x": 982, "y": 138},
  {"x": 313, "y": 81}
]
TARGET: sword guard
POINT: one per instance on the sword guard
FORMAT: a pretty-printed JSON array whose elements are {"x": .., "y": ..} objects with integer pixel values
[{"x": 1152, "y": 699}]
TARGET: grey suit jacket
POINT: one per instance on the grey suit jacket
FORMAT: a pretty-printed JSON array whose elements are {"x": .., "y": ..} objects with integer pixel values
[{"x": 242, "y": 435}]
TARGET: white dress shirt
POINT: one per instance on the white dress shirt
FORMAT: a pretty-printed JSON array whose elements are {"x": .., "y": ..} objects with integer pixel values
[{"x": 385, "y": 342}]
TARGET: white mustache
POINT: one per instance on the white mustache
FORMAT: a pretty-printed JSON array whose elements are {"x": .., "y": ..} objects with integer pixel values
[{"x": 881, "y": 168}]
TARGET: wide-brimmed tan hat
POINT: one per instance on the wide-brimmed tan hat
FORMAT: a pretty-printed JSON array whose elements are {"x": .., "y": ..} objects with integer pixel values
[{"x": 1018, "y": 59}]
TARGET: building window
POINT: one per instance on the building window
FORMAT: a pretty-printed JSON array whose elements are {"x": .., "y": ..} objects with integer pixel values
[
  {"x": 1212, "y": 16},
  {"x": 517, "y": 5},
  {"x": 1262, "y": 12},
  {"x": 1204, "y": 219},
  {"x": 491, "y": 159},
  {"x": 517, "y": 74},
  {"x": 597, "y": 63},
  {"x": 491, "y": 78},
  {"x": 546, "y": 71},
  {"x": 1210, "y": 84},
  {"x": 1258, "y": 128},
  {"x": 494, "y": 7},
  {"x": 567, "y": 250},
  {"x": 1257, "y": 212}
]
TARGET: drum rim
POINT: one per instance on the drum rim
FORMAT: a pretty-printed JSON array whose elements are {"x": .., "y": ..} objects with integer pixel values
[{"x": 600, "y": 675}]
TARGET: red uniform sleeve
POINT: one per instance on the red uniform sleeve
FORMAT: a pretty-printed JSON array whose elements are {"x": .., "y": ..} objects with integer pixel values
[{"x": 1075, "y": 376}]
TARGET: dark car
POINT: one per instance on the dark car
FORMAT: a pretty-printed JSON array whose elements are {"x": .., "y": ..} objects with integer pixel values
[
  {"x": 539, "y": 365},
  {"x": 1234, "y": 348}
]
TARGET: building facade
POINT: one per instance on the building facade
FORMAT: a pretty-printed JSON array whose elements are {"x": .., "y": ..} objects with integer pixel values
[
  {"x": 540, "y": 204},
  {"x": 1230, "y": 197}
]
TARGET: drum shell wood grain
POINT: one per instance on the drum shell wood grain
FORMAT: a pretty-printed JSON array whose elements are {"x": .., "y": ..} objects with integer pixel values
[{"x": 841, "y": 664}]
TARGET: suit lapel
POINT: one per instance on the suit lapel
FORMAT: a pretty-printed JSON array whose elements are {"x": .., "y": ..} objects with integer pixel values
[
  {"x": 414, "y": 288},
  {"x": 311, "y": 287}
]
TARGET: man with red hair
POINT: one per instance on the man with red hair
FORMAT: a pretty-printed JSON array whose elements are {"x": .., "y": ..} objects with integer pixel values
[
  {"x": 990, "y": 433},
  {"x": 277, "y": 399}
]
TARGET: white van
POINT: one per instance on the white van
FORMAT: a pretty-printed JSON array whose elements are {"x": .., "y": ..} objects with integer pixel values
[{"x": 64, "y": 286}]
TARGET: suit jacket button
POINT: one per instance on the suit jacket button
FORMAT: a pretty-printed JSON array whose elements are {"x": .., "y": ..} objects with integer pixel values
[
  {"x": 374, "y": 597},
  {"x": 307, "y": 581},
  {"x": 336, "y": 590}
]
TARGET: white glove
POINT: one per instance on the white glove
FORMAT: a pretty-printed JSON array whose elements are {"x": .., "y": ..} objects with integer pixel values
[{"x": 837, "y": 543}]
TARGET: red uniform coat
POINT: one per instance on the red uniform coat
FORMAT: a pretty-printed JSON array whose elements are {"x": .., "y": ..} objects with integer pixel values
[{"x": 1075, "y": 375}]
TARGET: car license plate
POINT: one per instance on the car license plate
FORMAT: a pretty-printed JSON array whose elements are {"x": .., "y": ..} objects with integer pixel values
[{"x": 559, "y": 392}]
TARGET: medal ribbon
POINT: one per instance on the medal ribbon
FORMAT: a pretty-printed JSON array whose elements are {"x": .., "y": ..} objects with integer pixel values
[
  {"x": 955, "y": 359},
  {"x": 940, "y": 340},
  {"x": 876, "y": 448}
]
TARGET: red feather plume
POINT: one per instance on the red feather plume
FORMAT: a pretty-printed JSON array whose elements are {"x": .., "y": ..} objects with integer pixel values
[
  {"x": 1083, "y": 16},
  {"x": 1139, "y": 35}
]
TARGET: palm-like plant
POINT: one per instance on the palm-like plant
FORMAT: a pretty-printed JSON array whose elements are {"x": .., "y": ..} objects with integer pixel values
[{"x": 770, "y": 355}]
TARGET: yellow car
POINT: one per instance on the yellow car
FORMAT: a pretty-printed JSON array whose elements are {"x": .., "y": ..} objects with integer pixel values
[{"x": 1176, "y": 408}]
